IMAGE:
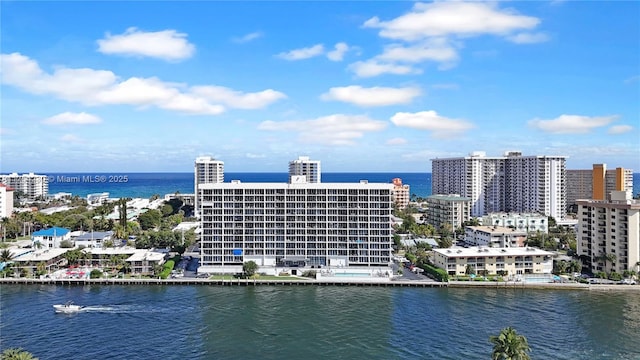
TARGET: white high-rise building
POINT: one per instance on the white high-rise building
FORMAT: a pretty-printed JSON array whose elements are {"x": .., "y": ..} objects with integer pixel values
[
  {"x": 303, "y": 166},
  {"x": 295, "y": 225},
  {"x": 30, "y": 185},
  {"x": 512, "y": 183},
  {"x": 207, "y": 170}
]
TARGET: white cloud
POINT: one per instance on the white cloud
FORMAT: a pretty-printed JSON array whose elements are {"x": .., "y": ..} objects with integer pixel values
[
  {"x": 238, "y": 99},
  {"x": 303, "y": 53},
  {"x": 338, "y": 53},
  {"x": 452, "y": 18},
  {"x": 5, "y": 131},
  {"x": 374, "y": 96},
  {"x": 72, "y": 118},
  {"x": 396, "y": 141},
  {"x": 528, "y": 38},
  {"x": 371, "y": 68},
  {"x": 337, "y": 129},
  {"x": 255, "y": 156},
  {"x": 439, "y": 126},
  {"x": 619, "y": 129},
  {"x": 168, "y": 45},
  {"x": 572, "y": 124},
  {"x": 438, "y": 50},
  {"x": 248, "y": 37},
  {"x": 101, "y": 87},
  {"x": 435, "y": 31}
]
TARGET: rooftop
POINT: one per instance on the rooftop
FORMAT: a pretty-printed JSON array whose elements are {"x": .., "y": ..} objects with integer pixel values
[
  {"x": 486, "y": 251},
  {"x": 496, "y": 230},
  {"x": 54, "y": 231}
]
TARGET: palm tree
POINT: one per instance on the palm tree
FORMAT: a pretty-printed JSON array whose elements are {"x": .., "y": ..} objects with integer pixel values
[
  {"x": 16, "y": 354},
  {"x": 508, "y": 345},
  {"x": 6, "y": 256},
  {"x": 607, "y": 258}
]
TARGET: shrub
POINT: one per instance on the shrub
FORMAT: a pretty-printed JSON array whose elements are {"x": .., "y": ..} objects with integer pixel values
[
  {"x": 95, "y": 274},
  {"x": 166, "y": 269},
  {"x": 436, "y": 273},
  {"x": 309, "y": 274},
  {"x": 615, "y": 276}
]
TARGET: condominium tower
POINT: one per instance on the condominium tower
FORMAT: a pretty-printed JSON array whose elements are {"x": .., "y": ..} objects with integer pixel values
[
  {"x": 509, "y": 183},
  {"x": 303, "y": 166},
  {"x": 207, "y": 170},
  {"x": 609, "y": 233},
  {"x": 295, "y": 225},
  {"x": 401, "y": 193},
  {"x": 597, "y": 183},
  {"x": 32, "y": 186}
]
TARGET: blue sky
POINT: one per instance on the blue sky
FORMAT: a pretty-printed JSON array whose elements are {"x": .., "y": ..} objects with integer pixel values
[{"x": 361, "y": 86}]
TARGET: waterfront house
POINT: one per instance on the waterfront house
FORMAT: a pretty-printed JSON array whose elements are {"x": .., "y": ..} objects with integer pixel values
[
  {"x": 93, "y": 239},
  {"x": 50, "y": 238}
]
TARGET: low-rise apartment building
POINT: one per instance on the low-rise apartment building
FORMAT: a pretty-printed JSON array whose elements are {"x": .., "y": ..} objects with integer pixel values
[
  {"x": 491, "y": 261},
  {"x": 529, "y": 222},
  {"x": 494, "y": 236}
]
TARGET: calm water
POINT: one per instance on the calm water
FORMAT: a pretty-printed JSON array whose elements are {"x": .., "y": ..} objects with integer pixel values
[
  {"x": 194, "y": 322},
  {"x": 145, "y": 185}
]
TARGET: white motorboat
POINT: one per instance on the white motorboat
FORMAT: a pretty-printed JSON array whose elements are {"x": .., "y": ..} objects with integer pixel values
[{"x": 67, "y": 308}]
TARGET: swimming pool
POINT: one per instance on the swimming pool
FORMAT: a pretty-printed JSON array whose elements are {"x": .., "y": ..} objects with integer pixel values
[{"x": 352, "y": 274}]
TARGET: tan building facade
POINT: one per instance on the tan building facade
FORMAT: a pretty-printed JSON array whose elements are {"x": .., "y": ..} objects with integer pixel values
[
  {"x": 401, "y": 194},
  {"x": 609, "y": 233},
  {"x": 597, "y": 183},
  {"x": 448, "y": 209}
]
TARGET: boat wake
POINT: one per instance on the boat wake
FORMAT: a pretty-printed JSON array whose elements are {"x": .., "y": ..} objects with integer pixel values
[{"x": 119, "y": 309}]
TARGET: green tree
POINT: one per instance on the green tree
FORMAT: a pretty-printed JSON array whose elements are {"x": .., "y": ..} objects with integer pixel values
[
  {"x": 6, "y": 256},
  {"x": 41, "y": 268},
  {"x": 149, "y": 219},
  {"x": 16, "y": 354},
  {"x": 66, "y": 244},
  {"x": 122, "y": 211},
  {"x": 249, "y": 268},
  {"x": 509, "y": 345},
  {"x": 469, "y": 270},
  {"x": 95, "y": 274}
]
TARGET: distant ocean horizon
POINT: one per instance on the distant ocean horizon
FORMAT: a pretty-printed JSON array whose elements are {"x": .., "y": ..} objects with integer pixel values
[{"x": 145, "y": 185}]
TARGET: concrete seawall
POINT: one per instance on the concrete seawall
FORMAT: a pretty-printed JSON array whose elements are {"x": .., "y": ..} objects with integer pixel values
[
  {"x": 311, "y": 282},
  {"x": 235, "y": 282}
]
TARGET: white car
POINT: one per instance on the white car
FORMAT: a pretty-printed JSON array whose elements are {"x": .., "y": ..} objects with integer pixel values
[{"x": 628, "y": 282}]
